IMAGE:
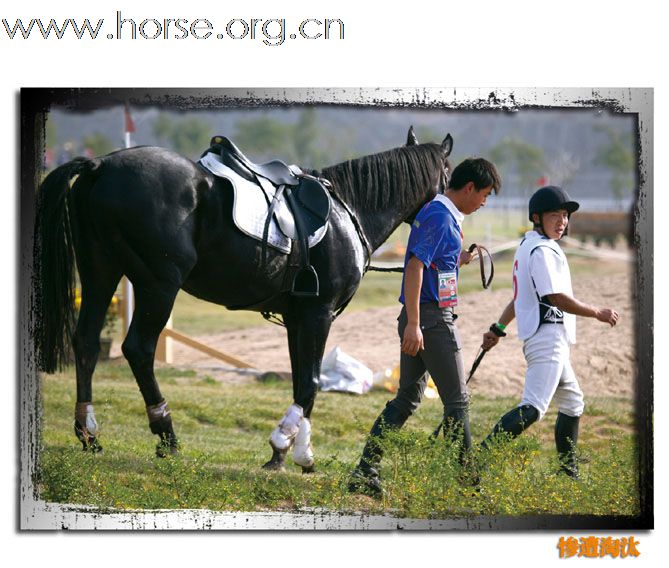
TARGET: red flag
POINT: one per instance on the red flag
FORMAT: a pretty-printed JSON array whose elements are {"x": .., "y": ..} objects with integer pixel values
[{"x": 129, "y": 124}]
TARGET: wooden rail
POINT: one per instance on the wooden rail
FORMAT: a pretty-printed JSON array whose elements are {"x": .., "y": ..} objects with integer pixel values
[{"x": 170, "y": 333}]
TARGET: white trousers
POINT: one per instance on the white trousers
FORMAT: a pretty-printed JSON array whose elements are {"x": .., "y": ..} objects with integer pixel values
[{"x": 549, "y": 372}]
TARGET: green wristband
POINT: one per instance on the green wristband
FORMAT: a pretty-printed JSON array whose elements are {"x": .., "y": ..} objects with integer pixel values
[{"x": 501, "y": 326}]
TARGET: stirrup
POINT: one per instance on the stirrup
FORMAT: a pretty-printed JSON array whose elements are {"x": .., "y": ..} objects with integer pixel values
[{"x": 305, "y": 283}]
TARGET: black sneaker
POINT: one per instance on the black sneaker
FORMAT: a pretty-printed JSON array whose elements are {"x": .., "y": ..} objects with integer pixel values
[{"x": 366, "y": 483}]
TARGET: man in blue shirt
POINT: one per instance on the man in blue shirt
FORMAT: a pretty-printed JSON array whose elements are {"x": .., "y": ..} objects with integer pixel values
[{"x": 430, "y": 340}]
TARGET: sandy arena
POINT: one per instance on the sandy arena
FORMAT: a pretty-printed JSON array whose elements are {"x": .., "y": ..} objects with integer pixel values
[{"x": 603, "y": 357}]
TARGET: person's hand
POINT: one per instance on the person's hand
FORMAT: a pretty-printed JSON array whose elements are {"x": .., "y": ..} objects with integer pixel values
[
  {"x": 466, "y": 257},
  {"x": 489, "y": 340},
  {"x": 607, "y": 315},
  {"x": 412, "y": 341}
]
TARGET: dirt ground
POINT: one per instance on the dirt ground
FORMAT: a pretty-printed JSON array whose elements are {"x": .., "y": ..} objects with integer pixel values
[{"x": 603, "y": 357}]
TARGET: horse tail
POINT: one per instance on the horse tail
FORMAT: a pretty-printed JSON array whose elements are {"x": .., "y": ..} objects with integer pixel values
[{"x": 55, "y": 267}]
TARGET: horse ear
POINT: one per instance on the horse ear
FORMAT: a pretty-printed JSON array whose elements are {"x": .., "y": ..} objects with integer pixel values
[
  {"x": 447, "y": 145},
  {"x": 411, "y": 137}
]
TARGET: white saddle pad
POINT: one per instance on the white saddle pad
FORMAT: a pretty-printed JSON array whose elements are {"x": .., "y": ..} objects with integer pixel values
[{"x": 249, "y": 211}]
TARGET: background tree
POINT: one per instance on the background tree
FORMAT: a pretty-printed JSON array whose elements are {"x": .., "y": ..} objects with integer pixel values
[
  {"x": 191, "y": 136},
  {"x": 188, "y": 135},
  {"x": 51, "y": 135},
  {"x": 162, "y": 127},
  {"x": 563, "y": 168},
  {"x": 525, "y": 160},
  {"x": 98, "y": 144},
  {"x": 265, "y": 138},
  {"x": 306, "y": 134},
  {"x": 618, "y": 156},
  {"x": 302, "y": 142}
]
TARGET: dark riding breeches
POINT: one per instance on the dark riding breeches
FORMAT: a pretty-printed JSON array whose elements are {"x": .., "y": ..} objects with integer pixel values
[{"x": 442, "y": 359}]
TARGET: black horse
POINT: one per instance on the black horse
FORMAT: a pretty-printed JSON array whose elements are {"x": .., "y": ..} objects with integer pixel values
[{"x": 166, "y": 223}]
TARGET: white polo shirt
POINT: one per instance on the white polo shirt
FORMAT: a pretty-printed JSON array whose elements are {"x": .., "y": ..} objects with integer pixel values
[{"x": 540, "y": 268}]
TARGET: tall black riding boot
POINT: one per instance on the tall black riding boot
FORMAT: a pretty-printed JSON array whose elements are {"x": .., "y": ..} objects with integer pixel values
[
  {"x": 365, "y": 477},
  {"x": 456, "y": 430},
  {"x": 566, "y": 436},
  {"x": 513, "y": 422}
]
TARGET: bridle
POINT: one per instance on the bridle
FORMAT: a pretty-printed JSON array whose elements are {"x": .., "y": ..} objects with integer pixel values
[{"x": 444, "y": 177}]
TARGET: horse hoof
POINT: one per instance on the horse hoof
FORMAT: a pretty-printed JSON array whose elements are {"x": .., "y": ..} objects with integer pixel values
[
  {"x": 94, "y": 446},
  {"x": 277, "y": 461},
  {"x": 274, "y": 466},
  {"x": 308, "y": 469},
  {"x": 88, "y": 442}
]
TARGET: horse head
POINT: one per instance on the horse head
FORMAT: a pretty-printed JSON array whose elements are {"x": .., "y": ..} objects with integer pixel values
[
  {"x": 446, "y": 147},
  {"x": 444, "y": 176}
]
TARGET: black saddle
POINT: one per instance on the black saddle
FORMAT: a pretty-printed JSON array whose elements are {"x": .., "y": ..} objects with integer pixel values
[
  {"x": 306, "y": 196},
  {"x": 275, "y": 171}
]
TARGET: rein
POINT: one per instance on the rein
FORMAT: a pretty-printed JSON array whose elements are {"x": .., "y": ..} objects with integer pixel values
[
  {"x": 356, "y": 224},
  {"x": 485, "y": 282}
]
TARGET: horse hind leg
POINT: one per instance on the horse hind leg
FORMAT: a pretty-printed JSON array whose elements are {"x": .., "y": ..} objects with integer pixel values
[
  {"x": 153, "y": 306},
  {"x": 96, "y": 296}
]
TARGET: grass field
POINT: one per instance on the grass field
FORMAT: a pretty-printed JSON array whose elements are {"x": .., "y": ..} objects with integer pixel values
[{"x": 223, "y": 431}]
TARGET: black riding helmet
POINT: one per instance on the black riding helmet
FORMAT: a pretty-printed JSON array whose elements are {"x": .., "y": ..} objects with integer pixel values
[{"x": 551, "y": 198}]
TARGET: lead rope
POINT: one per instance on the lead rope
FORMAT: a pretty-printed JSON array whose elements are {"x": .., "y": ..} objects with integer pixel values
[
  {"x": 485, "y": 282},
  {"x": 479, "y": 249}
]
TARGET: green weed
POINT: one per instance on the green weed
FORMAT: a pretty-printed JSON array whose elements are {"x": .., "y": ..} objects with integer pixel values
[{"x": 223, "y": 431}]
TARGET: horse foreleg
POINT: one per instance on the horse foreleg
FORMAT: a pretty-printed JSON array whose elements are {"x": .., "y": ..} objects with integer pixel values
[
  {"x": 294, "y": 431},
  {"x": 307, "y": 335},
  {"x": 303, "y": 454},
  {"x": 283, "y": 437}
]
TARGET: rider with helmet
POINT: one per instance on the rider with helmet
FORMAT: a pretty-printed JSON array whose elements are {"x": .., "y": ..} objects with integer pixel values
[{"x": 546, "y": 309}]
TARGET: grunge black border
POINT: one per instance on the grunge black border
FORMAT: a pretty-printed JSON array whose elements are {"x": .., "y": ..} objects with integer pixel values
[{"x": 35, "y": 104}]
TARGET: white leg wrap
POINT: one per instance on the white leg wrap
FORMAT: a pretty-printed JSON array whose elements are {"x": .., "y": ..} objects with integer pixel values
[
  {"x": 284, "y": 434},
  {"x": 157, "y": 411},
  {"x": 83, "y": 413},
  {"x": 302, "y": 453}
]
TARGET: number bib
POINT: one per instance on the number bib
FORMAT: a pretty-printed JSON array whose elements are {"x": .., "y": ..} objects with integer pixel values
[{"x": 448, "y": 289}]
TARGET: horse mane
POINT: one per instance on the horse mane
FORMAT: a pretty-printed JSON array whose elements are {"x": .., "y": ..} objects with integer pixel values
[{"x": 398, "y": 177}]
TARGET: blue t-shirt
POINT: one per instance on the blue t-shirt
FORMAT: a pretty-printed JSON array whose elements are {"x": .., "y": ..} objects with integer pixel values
[{"x": 435, "y": 240}]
